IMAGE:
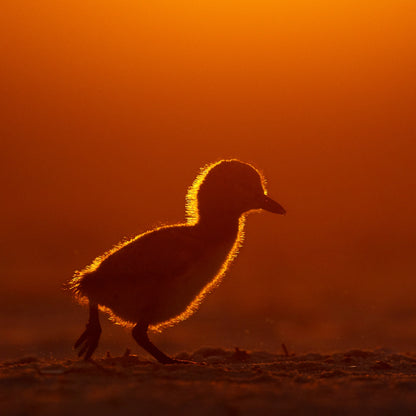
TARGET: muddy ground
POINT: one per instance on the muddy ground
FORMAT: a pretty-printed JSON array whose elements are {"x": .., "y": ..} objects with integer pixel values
[{"x": 218, "y": 382}]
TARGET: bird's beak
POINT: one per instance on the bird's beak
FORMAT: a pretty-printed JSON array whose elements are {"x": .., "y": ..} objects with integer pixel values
[{"x": 272, "y": 206}]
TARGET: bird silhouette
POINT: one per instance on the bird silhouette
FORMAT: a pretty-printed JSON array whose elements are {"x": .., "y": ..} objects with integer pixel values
[{"x": 160, "y": 277}]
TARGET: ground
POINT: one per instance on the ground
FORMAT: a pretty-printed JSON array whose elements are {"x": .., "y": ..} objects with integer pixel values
[{"x": 217, "y": 382}]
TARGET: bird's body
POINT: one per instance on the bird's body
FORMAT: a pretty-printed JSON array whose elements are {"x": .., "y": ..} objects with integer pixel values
[
  {"x": 160, "y": 277},
  {"x": 159, "y": 274}
]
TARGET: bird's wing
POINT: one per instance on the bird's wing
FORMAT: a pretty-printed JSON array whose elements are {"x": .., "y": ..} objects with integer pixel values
[{"x": 154, "y": 257}]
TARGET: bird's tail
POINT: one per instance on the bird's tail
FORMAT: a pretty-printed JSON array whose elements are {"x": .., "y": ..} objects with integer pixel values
[{"x": 77, "y": 286}]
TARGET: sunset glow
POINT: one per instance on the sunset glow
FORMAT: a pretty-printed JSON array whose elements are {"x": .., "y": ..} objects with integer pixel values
[{"x": 110, "y": 108}]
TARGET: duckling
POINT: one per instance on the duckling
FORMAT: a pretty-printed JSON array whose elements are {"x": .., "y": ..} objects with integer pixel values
[{"x": 160, "y": 277}]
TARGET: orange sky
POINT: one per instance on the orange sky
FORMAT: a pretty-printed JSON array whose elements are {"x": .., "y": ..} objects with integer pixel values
[{"x": 110, "y": 108}]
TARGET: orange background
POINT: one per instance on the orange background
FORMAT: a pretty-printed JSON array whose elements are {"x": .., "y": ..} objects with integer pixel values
[{"x": 110, "y": 108}]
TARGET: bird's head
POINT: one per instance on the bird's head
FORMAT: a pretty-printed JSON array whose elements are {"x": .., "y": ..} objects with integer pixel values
[{"x": 230, "y": 188}]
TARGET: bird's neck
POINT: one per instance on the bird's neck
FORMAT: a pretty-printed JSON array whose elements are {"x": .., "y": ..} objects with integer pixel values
[{"x": 220, "y": 226}]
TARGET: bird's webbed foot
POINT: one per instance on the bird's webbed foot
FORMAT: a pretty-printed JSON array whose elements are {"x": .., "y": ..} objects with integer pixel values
[
  {"x": 176, "y": 361},
  {"x": 88, "y": 341},
  {"x": 168, "y": 360}
]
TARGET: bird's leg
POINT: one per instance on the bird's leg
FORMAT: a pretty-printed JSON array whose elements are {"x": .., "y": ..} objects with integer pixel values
[
  {"x": 140, "y": 335},
  {"x": 88, "y": 341}
]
